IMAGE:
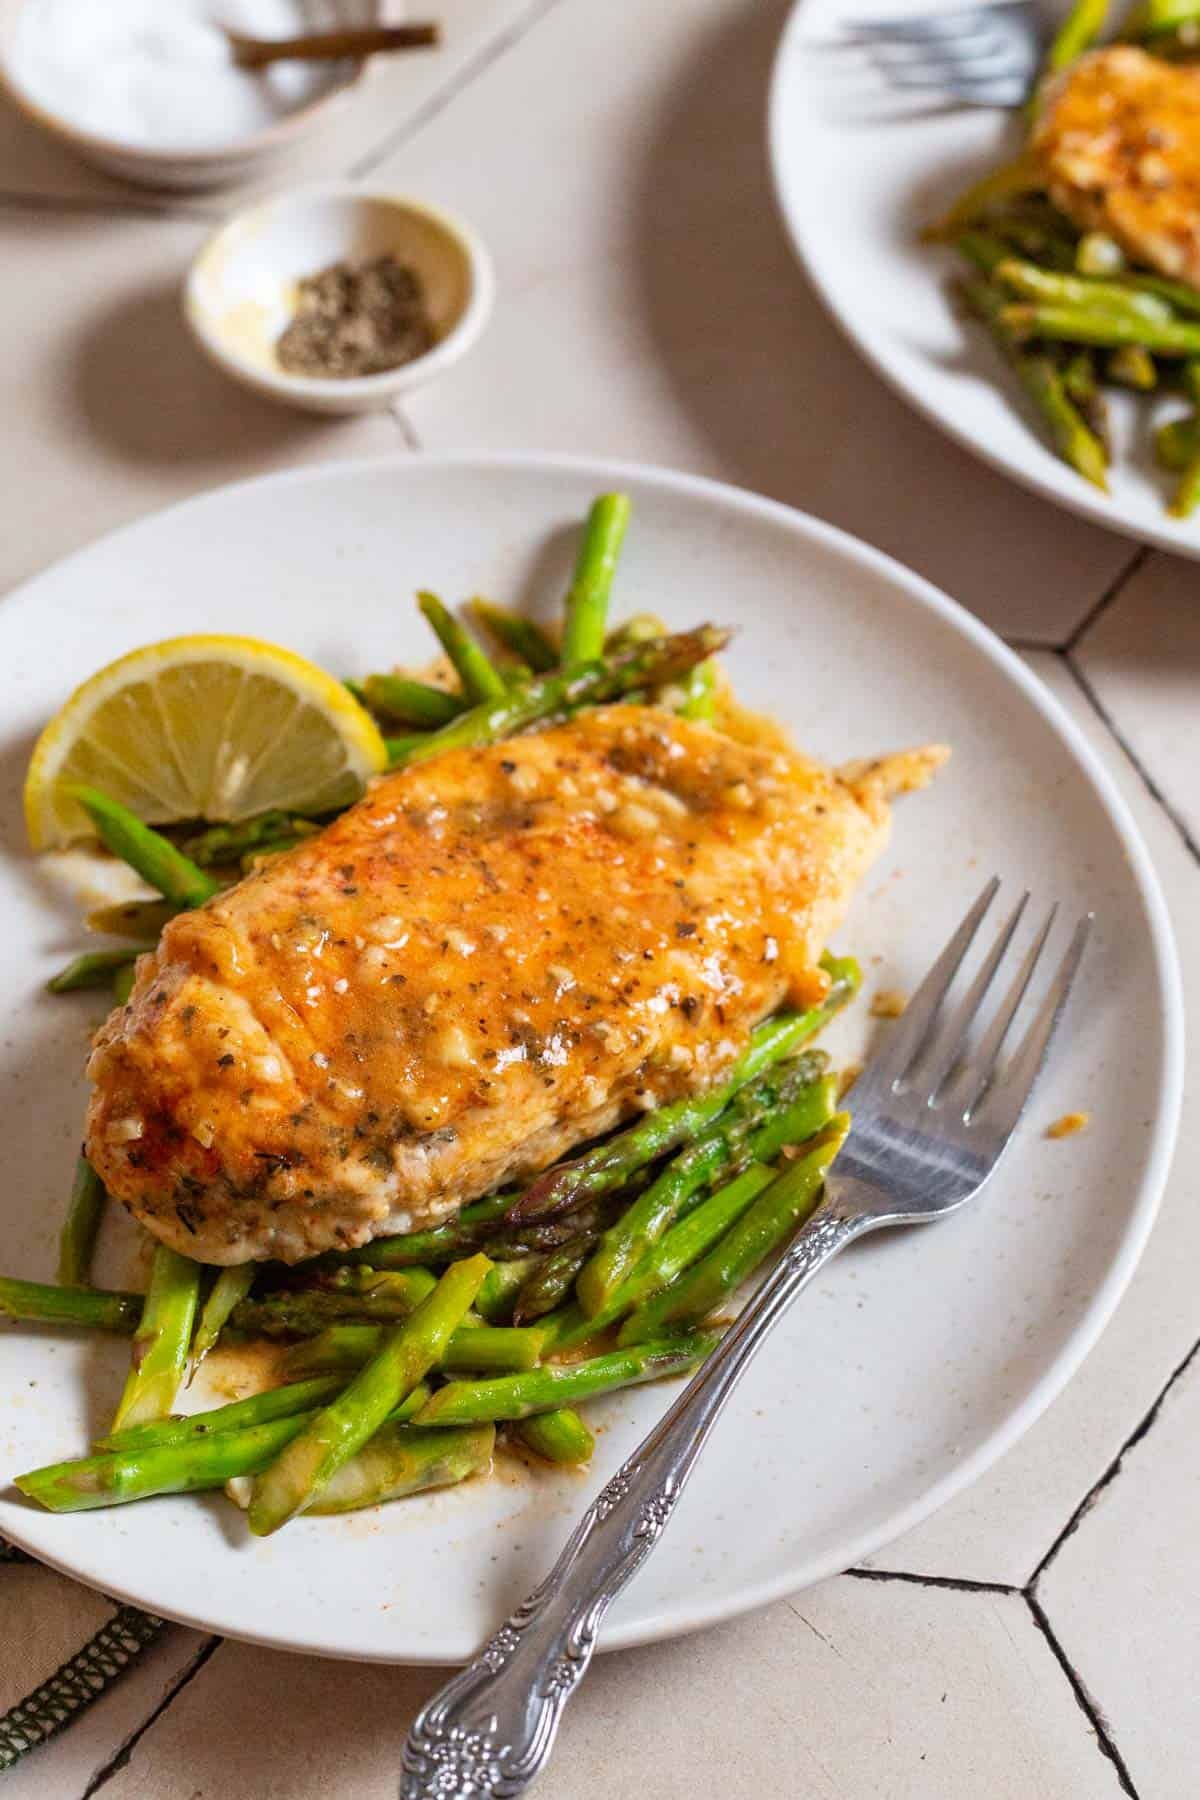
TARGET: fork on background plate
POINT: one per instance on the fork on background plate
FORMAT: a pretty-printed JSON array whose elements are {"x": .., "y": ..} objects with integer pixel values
[
  {"x": 979, "y": 55},
  {"x": 934, "y": 1111}
]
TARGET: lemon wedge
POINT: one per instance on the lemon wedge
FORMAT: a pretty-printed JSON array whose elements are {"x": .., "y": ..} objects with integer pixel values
[{"x": 207, "y": 727}]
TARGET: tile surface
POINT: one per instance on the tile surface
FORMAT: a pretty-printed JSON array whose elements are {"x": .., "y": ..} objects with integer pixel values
[
  {"x": 1121, "y": 1595},
  {"x": 805, "y": 1685},
  {"x": 119, "y": 411}
]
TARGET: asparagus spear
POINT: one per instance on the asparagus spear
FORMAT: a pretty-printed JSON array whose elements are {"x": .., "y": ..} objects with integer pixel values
[
  {"x": 545, "y": 1390},
  {"x": 552, "y": 1280},
  {"x": 94, "y": 1309},
  {"x": 519, "y": 635},
  {"x": 638, "y": 628},
  {"x": 303, "y": 1312},
  {"x": 1186, "y": 497},
  {"x": 770, "y": 1221},
  {"x": 497, "y": 1297},
  {"x": 608, "y": 678},
  {"x": 1073, "y": 439},
  {"x": 115, "y": 1478},
  {"x": 95, "y": 968},
  {"x": 160, "y": 1343},
  {"x": 309, "y": 1462},
  {"x": 259, "y": 1409},
  {"x": 77, "y": 1240},
  {"x": 1093, "y": 325},
  {"x": 1056, "y": 289},
  {"x": 1133, "y": 367},
  {"x": 480, "y": 678},
  {"x": 401, "y": 1460},
  {"x": 229, "y": 843},
  {"x": 411, "y": 702},
  {"x": 591, "y": 584},
  {"x": 699, "y": 692},
  {"x": 1077, "y": 33},
  {"x": 600, "y": 1170},
  {"x": 227, "y": 1291},
  {"x": 560, "y": 1436},
  {"x": 498, "y": 1348},
  {"x": 802, "y": 1101},
  {"x": 147, "y": 852},
  {"x": 122, "y": 984},
  {"x": 440, "y": 1244}
]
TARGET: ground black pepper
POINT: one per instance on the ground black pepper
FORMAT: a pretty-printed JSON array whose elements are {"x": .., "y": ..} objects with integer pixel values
[{"x": 357, "y": 320}]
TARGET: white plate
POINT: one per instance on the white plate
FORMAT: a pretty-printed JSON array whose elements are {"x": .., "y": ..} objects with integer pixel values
[
  {"x": 858, "y": 171},
  {"x": 918, "y": 1358}
]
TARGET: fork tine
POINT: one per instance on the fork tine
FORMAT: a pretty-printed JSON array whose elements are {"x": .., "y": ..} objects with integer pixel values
[
  {"x": 908, "y": 1037},
  {"x": 978, "y": 1072},
  {"x": 952, "y": 1041},
  {"x": 1010, "y": 1092},
  {"x": 929, "y": 28}
]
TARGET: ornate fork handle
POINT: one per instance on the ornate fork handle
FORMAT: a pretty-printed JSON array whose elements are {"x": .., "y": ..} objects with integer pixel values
[{"x": 490, "y": 1730}]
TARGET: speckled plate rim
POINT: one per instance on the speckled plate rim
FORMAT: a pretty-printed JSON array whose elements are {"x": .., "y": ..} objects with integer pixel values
[{"x": 36, "y": 1532}]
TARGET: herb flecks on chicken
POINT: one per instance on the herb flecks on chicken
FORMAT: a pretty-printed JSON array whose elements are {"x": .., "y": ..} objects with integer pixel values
[{"x": 494, "y": 957}]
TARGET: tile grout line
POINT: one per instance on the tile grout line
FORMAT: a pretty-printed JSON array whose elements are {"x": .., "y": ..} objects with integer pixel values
[
  {"x": 959, "y": 1584},
  {"x": 121, "y": 1756},
  {"x": 1105, "y": 1742},
  {"x": 1115, "y": 588},
  {"x": 476, "y": 65},
  {"x": 119, "y": 206},
  {"x": 1139, "y": 1433},
  {"x": 1156, "y": 792}
]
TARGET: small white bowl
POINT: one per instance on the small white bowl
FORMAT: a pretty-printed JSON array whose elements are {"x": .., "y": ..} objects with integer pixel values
[
  {"x": 241, "y": 290},
  {"x": 189, "y": 168}
]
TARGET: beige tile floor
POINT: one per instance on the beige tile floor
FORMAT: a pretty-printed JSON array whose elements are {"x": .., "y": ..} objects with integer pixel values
[{"x": 1040, "y": 1636}]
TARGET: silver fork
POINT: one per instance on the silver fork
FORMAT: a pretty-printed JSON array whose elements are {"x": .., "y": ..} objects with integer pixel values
[
  {"x": 981, "y": 55},
  {"x": 933, "y": 1113}
]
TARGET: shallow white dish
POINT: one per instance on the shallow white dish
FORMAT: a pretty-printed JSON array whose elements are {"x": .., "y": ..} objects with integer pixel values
[
  {"x": 241, "y": 289},
  {"x": 919, "y": 1358},
  {"x": 191, "y": 165},
  {"x": 858, "y": 171}
]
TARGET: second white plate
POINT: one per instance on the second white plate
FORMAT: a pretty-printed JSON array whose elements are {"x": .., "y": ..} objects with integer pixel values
[
  {"x": 858, "y": 171},
  {"x": 917, "y": 1358}
]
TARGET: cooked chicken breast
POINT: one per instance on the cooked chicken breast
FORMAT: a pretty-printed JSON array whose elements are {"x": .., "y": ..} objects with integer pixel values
[
  {"x": 1119, "y": 140},
  {"x": 494, "y": 956}
]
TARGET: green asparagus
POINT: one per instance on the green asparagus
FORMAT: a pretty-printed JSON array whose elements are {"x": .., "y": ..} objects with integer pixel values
[
  {"x": 1042, "y": 380},
  {"x": 302, "y": 1312},
  {"x": 1132, "y": 367},
  {"x": 559, "y": 1436},
  {"x": 608, "y": 678},
  {"x": 600, "y": 1170},
  {"x": 545, "y": 1390},
  {"x": 799, "y": 1097},
  {"x": 517, "y": 634},
  {"x": 768, "y": 1223},
  {"x": 1077, "y": 33},
  {"x": 498, "y": 1348},
  {"x": 440, "y": 1244},
  {"x": 229, "y": 843},
  {"x": 93, "y": 1309},
  {"x": 77, "y": 1240},
  {"x": 227, "y": 1291},
  {"x": 591, "y": 584},
  {"x": 481, "y": 680},
  {"x": 1092, "y": 325},
  {"x": 95, "y": 968},
  {"x": 147, "y": 852},
  {"x": 401, "y": 1460},
  {"x": 237, "y": 1415},
  {"x": 122, "y": 984},
  {"x": 498, "y": 1295},
  {"x": 411, "y": 702},
  {"x": 308, "y": 1463},
  {"x": 1055, "y": 289},
  {"x": 142, "y": 919},
  {"x": 552, "y": 1279},
  {"x": 700, "y": 693},
  {"x": 160, "y": 1343}
]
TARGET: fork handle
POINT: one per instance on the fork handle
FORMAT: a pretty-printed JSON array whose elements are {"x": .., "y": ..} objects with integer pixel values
[{"x": 490, "y": 1730}]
